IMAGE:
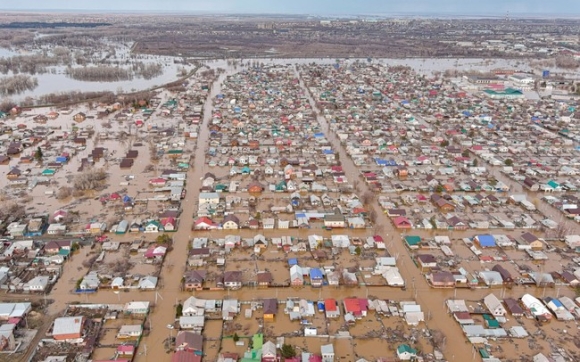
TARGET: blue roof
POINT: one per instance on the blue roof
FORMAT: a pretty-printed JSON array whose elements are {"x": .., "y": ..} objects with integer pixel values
[
  {"x": 486, "y": 240},
  {"x": 328, "y": 152},
  {"x": 381, "y": 162},
  {"x": 319, "y": 135},
  {"x": 466, "y": 113},
  {"x": 292, "y": 261},
  {"x": 315, "y": 273}
]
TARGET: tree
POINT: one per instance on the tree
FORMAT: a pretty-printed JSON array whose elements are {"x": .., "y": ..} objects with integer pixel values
[
  {"x": 235, "y": 337},
  {"x": 508, "y": 162},
  {"x": 444, "y": 143},
  {"x": 439, "y": 189},
  {"x": 465, "y": 153},
  {"x": 357, "y": 250},
  {"x": 474, "y": 163},
  {"x": 163, "y": 239},
  {"x": 179, "y": 310},
  {"x": 38, "y": 154},
  {"x": 288, "y": 351}
]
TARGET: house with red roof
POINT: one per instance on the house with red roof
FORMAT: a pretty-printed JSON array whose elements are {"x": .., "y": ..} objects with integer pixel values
[
  {"x": 204, "y": 223},
  {"x": 402, "y": 222},
  {"x": 126, "y": 350},
  {"x": 356, "y": 306},
  {"x": 157, "y": 182},
  {"x": 331, "y": 308},
  {"x": 169, "y": 224}
]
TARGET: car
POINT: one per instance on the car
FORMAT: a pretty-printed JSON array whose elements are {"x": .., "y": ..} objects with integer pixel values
[{"x": 170, "y": 326}]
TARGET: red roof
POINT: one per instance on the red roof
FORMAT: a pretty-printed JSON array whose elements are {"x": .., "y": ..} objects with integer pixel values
[
  {"x": 202, "y": 220},
  {"x": 330, "y": 305},
  {"x": 184, "y": 356},
  {"x": 378, "y": 239},
  {"x": 401, "y": 220}
]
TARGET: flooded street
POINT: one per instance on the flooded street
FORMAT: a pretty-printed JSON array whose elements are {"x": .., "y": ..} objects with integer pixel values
[{"x": 363, "y": 342}]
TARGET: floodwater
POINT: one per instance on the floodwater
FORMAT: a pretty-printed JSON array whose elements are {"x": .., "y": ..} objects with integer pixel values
[
  {"x": 50, "y": 83},
  {"x": 431, "y": 300}
]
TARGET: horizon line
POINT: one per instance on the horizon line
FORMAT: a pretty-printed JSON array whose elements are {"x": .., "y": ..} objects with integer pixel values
[{"x": 448, "y": 15}]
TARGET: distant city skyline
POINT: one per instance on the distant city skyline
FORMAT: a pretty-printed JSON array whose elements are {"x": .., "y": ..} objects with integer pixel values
[{"x": 568, "y": 8}]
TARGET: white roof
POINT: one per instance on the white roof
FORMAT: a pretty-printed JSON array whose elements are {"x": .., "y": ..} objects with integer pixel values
[
  {"x": 16, "y": 310},
  {"x": 534, "y": 305},
  {"x": 67, "y": 325}
]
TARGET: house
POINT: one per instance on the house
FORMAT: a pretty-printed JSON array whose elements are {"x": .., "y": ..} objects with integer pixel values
[
  {"x": 153, "y": 226},
  {"x": 79, "y": 117},
  {"x": 270, "y": 308},
  {"x": 331, "y": 308},
  {"x": 7, "y": 340},
  {"x": 426, "y": 261},
  {"x": 189, "y": 341},
  {"x": 232, "y": 279},
  {"x": 130, "y": 331},
  {"x": 37, "y": 284},
  {"x": 494, "y": 305},
  {"x": 327, "y": 352},
  {"x": 485, "y": 241},
  {"x": 14, "y": 173},
  {"x": 136, "y": 308},
  {"x": 269, "y": 352},
  {"x": 56, "y": 229},
  {"x": 531, "y": 239},
  {"x": 264, "y": 279},
  {"x": 296, "y": 276},
  {"x": 505, "y": 275},
  {"x": 169, "y": 224},
  {"x": 316, "y": 277},
  {"x": 336, "y": 220},
  {"x": 442, "y": 279},
  {"x": 68, "y": 328},
  {"x": 209, "y": 198},
  {"x": 54, "y": 246},
  {"x": 194, "y": 279},
  {"x": 230, "y": 222},
  {"x": 357, "y": 307},
  {"x": 405, "y": 352},
  {"x": 255, "y": 187},
  {"x": 148, "y": 283},
  {"x": 230, "y": 308},
  {"x": 204, "y": 223},
  {"x": 185, "y": 356},
  {"x": 155, "y": 252},
  {"x": 197, "y": 322},
  {"x": 402, "y": 222}
]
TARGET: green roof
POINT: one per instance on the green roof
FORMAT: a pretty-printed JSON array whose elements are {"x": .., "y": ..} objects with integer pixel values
[
  {"x": 553, "y": 184},
  {"x": 257, "y": 341},
  {"x": 174, "y": 152},
  {"x": 406, "y": 348},
  {"x": 64, "y": 252},
  {"x": 507, "y": 91},
  {"x": 48, "y": 171},
  {"x": 412, "y": 239}
]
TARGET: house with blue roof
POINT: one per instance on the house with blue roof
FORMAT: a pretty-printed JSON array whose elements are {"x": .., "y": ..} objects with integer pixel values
[
  {"x": 316, "y": 277},
  {"x": 485, "y": 241}
]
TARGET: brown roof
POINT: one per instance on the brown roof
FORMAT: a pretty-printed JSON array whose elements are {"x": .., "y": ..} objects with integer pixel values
[
  {"x": 270, "y": 306},
  {"x": 132, "y": 154},
  {"x": 264, "y": 277},
  {"x": 189, "y": 340},
  {"x": 233, "y": 276},
  {"x": 195, "y": 276},
  {"x": 126, "y": 163},
  {"x": 426, "y": 258}
]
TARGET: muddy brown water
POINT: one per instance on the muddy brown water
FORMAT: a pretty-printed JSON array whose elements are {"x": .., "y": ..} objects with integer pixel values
[{"x": 431, "y": 300}]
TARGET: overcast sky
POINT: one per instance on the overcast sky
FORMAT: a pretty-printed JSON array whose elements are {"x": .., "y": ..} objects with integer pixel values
[{"x": 318, "y": 7}]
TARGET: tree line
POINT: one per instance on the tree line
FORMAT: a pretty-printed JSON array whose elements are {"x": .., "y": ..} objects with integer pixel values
[{"x": 17, "y": 84}]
